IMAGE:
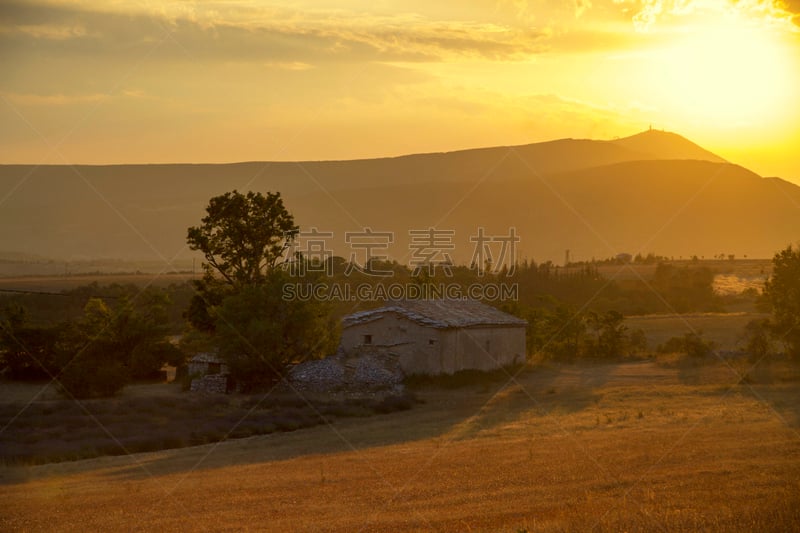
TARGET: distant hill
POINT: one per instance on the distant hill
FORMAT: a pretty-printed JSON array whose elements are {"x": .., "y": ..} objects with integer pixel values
[
  {"x": 654, "y": 191},
  {"x": 666, "y": 145}
]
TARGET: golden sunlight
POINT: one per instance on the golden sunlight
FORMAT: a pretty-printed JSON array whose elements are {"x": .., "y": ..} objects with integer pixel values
[{"x": 729, "y": 71}]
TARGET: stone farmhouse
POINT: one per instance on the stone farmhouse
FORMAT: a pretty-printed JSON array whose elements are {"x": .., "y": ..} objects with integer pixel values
[{"x": 436, "y": 336}]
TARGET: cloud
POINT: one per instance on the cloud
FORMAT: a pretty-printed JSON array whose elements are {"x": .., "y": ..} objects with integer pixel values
[
  {"x": 52, "y": 99},
  {"x": 280, "y": 36},
  {"x": 645, "y": 14},
  {"x": 599, "y": 38},
  {"x": 792, "y": 7},
  {"x": 288, "y": 65},
  {"x": 47, "y": 31},
  {"x": 554, "y": 109},
  {"x": 581, "y": 6},
  {"x": 520, "y": 8}
]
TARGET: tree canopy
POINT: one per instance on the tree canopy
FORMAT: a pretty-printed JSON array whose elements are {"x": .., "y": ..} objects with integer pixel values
[
  {"x": 96, "y": 354},
  {"x": 259, "y": 332},
  {"x": 242, "y": 236},
  {"x": 239, "y": 304},
  {"x": 782, "y": 291}
]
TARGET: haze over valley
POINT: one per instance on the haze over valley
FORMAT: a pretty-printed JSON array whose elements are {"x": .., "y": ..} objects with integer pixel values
[{"x": 651, "y": 192}]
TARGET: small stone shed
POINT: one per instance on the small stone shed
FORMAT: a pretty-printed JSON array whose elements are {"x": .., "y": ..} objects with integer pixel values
[
  {"x": 437, "y": 336},
  {"x": 206, "y": 363},
  {"x": 209, "y": 373}
]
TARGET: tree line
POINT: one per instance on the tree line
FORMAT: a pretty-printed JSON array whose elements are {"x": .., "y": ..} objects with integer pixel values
[
  {"x": 93, "y": 344},
  {"x": 96, "y": 353}
]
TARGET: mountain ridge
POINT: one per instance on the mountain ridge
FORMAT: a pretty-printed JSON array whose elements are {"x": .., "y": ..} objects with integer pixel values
[
  {"x": 667, "y": 145},
  {"x": 684, "y": 148},
  {"x": 597, "y": 198}
]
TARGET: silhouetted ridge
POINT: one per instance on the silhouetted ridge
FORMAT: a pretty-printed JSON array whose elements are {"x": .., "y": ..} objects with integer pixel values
[
  {"x": 659, "y": 144},
  {"x": 654, "y": 191}
]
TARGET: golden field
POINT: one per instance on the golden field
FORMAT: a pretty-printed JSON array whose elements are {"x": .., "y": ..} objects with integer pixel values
[{"x": 607, "y": 447}]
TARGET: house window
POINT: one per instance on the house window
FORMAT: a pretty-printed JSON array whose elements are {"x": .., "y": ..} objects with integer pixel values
[
  {"x": 431, "y": 341},
  {"x": 214, "y": 368},
  {"x": 487, "y": 345},
  {"x": 367, "y": 339}
]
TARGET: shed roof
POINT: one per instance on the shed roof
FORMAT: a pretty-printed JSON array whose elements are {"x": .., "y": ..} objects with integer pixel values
[
  {"x": 206, "y": 357},
  {"x": 444, "y": 313}
]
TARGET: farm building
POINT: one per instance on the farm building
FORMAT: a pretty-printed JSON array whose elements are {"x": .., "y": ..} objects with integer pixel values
[
  {"x": 437, "y": 336},
  {"x": 206, "y": 363},
  {"x": 209, "y": 373}
]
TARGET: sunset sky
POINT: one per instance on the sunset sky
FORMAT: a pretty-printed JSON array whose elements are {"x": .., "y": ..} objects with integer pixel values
[{"x": 138, "y": 81}]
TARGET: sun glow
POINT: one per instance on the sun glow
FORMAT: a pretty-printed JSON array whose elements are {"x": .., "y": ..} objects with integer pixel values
[{"x": 734, "y": 72}]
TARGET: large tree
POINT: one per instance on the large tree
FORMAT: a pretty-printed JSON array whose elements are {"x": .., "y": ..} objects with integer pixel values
[
  {"x": 243, "y": 236},
  {"x": 240, "y": 301},
  {"x": 782, "y": 291},
  {"x": 259, "y": 331}
]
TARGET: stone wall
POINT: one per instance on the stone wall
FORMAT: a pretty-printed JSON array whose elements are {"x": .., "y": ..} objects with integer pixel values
[
  {"x": 212, "y": 383},
  {"x": 420, "y": 349}
]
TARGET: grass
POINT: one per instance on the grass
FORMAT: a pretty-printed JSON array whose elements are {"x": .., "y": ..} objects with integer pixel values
[
  {"x": 724, "y": 329},
  {"x": 617, "y": 447},
  {"x": 462, "y": 379},
  {"x": 61, "y": 430}
]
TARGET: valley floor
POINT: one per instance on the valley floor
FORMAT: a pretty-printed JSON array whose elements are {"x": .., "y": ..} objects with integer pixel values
[{"x": 612, "y": 447}]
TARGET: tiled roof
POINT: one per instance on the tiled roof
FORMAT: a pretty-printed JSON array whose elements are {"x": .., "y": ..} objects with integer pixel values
[
  {"x": 206, "y": 357},
  {"x": 439, "y": 314}
]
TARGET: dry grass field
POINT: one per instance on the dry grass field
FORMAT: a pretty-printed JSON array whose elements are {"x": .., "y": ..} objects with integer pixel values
[
  {"x": 613, "y": 447},
  {"x": 65, "y": 283},
  {"x": 724, "y": 329},
  {"x": 744, "y": 269},
  {"x": 732, "y": 275}
]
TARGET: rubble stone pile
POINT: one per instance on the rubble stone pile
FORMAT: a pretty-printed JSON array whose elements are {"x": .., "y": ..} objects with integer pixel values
[{"x": 362, "y": 371}]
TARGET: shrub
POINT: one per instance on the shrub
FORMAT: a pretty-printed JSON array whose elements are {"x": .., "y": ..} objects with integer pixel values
[
  {"x": 691, "y": 344},
  {"x": 637, "y": 342},
  {"x": 782, "y": 292},
  {"x": 758, "y": 339},
  {"x": 462, "y": 378},
  {"x": 696, "y": 346},
  {"x": 85, "y": 378}
]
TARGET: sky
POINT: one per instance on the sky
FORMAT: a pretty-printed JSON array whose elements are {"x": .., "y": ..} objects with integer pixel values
[{"x": 138, "y": 81}]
